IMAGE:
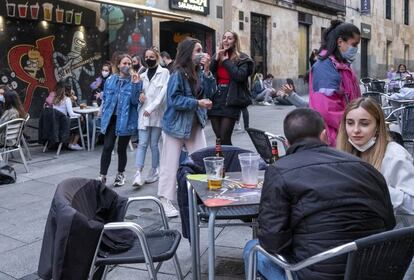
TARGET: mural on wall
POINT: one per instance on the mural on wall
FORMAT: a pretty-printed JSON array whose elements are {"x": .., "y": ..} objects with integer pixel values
[
  {"x": 128, "y": 30},
  {"x": 35, "y": 55}
]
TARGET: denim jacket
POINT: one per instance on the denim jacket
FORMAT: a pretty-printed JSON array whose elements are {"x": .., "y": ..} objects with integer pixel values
[
  {"x": 124, "y": 95},
  {"x": 182, "y": 105}
]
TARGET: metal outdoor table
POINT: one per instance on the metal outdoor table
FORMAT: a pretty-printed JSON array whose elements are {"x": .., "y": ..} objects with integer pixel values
[
  {"x": 88, "y": 110},
  {"x": 230, "y": 195}
]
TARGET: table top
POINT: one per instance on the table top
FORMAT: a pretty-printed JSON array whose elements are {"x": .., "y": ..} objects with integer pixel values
[
  {"x": 87, "y": 110},
  {"x": 401, "y": 100},
  {"x": 231, "y": 192}
]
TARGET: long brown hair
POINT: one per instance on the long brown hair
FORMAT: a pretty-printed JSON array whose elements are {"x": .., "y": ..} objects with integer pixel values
[
  {"x": 184, "y": 61},
  {"x": 235, "y": 54},
  {"x": 12, "y": 100},
  {"x": 60, "y": 92},
  {"x": 375, "y": 154}
]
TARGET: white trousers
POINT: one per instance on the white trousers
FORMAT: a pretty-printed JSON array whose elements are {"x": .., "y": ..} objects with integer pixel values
[{"x": 170, "y": 157}]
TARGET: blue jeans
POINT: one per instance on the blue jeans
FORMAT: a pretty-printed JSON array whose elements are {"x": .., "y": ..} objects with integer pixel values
[
  {"x": 152, "y": 136},
  {"x": 265, "y": 267}
]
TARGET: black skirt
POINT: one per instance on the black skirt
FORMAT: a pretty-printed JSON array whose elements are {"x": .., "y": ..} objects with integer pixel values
[{"x": 219, "y": 105}]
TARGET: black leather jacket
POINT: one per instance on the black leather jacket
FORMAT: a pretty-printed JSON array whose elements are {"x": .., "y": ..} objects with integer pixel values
[{"x": 317, "y": 198}]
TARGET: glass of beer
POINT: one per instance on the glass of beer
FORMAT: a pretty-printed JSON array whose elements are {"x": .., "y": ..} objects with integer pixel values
[{"x": 214, "y": 170}]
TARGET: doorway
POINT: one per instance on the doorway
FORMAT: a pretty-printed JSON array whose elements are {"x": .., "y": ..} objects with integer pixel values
[
  {"x": 258, "y": 42},
  {"x": 364, "y": 58}
]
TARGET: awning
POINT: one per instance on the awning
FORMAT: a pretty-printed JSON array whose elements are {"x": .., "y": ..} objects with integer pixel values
[{"x": 149, "y": 11}]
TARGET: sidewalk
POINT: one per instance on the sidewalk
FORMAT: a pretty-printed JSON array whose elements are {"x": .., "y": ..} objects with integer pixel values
[{"x": 24, "y": 207}]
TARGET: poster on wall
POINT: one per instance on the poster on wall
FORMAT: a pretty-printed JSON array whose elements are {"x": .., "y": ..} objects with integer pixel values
[
  {"x": 35, "y": 56},
  {"x": 128, "y": 30}
]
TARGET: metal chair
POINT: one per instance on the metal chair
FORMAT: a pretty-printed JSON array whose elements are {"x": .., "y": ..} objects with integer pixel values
[
  {"x": 156, "y": 246},
  {"x": 378, "y": 86},
  {"x": 11, "y": 138},
  {"x": 262, "y": 142},
  {"x": 385, "y": 255},
  {"x": 377, "y": 96},
  {"x": 24, "y": 142},
  {"x": 366, "y": 82}
]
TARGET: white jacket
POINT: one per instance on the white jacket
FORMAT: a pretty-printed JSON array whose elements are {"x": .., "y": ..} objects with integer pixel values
[
  {"x": 155, "y": 92},
  {"x": 398, "y": 170}
]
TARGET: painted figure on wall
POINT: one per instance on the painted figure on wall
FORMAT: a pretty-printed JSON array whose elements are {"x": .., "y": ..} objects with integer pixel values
[{"x": 72, "y": 65}]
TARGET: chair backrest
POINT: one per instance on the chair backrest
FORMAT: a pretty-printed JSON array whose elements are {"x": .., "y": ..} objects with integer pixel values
[
  {"x": 12, "y": 132},
  {"x": 381, "y": 256},
  {"x": 230, "y": 153},
  {"x": 378, "y": 86},
  {"x": 374, "y": 95},
  {"x": 407, "y": 123},
  {"x": 261, "y": 143}
]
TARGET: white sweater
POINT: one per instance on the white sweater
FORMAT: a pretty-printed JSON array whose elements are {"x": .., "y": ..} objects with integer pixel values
[
  {"x": 66, "y": 108},
  {"x": 398, "y": 170}
]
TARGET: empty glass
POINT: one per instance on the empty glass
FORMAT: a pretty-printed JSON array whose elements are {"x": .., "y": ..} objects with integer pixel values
[
  {"x": 249, "y": 163},
  {"x": 214, "y": 170}
]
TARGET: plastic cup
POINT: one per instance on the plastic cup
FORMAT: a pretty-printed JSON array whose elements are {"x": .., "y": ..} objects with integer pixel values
[
  {"x": 59, "y": 14},
  {"x": 47, "y": 11},
  {"x": 34, "y": 11},
  {"x": 22, "y": 10},
  {"x": 249, "y": 163},
  {"x": 78, "y": 18},
  {"x": 214, "y": 170},
  {"x": 69, "y": 16},
  {"x": 11, "y": 9}
]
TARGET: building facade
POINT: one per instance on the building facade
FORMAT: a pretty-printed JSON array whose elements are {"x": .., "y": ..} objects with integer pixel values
[{"x": 280, "y": 35}]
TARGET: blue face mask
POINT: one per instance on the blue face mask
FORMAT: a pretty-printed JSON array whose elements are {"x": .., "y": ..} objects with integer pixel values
[
  {"x": 350, "y": 54},
  {"x": 2, "y": 98}
]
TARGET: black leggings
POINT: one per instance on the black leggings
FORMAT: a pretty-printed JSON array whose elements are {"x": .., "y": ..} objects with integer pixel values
[
  {"x": 245, "y": 114},
  {"x": 109, "y": 143},
  {"x": 223, "y": 128}
]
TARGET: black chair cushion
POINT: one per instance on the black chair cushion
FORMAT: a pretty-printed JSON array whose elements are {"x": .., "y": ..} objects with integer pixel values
[{"x": 162, "y": 245}]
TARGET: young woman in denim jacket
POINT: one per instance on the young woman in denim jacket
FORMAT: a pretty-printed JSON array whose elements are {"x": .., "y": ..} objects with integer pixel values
[
  {"x": 185, "y": 116},
  {"x": 119, "y": 116}
]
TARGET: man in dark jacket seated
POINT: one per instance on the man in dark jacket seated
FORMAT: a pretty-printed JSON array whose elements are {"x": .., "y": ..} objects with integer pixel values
[{"x": 316, "y": 198}]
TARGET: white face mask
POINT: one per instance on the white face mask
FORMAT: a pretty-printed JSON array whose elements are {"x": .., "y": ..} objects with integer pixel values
[
  {"x": 366, "y": 146},
  {"x": 105, "y": 74}
]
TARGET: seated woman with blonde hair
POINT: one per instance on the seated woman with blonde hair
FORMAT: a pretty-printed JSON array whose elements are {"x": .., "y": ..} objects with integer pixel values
[{"x": 363, "y": 132}]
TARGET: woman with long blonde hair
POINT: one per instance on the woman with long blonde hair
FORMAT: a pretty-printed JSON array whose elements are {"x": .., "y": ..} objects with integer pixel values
[
  {"x": 232, "y": 69},
  {"x": 363, "y": 132}
]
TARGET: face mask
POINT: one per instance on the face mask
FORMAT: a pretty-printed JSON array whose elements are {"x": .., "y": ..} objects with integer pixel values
[
  {"x": 162, "y": 63},
  {"x": 2, "y": 98},
  {"x": 366, "y": 146},
  {"x": 150, "y": 62},
  {"x": 136, "y": 67},
  {"x": 125, "y": 70},
  {"x": 350, "y": 54},
  {"x": 198, "y": 57},
  {"x": 105, "y": 74}
]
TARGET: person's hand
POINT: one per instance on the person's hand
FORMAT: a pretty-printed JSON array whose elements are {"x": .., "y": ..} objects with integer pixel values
[
  {"x": 205, "y": 103},
  {"x": 146, "y": 114},
  {"x": 98, "y": 95},
  {"x": 142, "y": 98},
  {"x": 220, "y": 52},
  {"x": 205, "y": 61},
  {"x": 135, "y": 78},
  {"x": 287, "y": 89},
  {"x": 225, "y": 56}
]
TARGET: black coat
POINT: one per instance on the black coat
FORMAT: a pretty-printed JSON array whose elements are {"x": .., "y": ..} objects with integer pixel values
[
  {"x": 239, "y": 70},
  {"x": 317, "y": 198},
  {"x": 79, "y": 210},
  {"x": 53, "y": 127}
]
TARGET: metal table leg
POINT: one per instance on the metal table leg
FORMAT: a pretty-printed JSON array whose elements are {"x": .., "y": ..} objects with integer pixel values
[
  {"x": 87, "y": 131},
  {"x": 197, "y": 233},
  {"x": 192, "y": 230},
  {"x": 211, "y": 242},
  {"x": 93, "y": 133}
]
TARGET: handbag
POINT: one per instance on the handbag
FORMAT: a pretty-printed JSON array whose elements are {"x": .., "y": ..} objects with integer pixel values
[{"x": 7, "y": 175}]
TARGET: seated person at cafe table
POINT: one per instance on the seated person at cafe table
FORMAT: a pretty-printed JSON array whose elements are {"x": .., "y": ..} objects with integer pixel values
[{"x": 316, "y": 198}]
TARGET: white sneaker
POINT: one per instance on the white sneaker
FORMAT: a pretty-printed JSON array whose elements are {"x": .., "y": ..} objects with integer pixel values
[
  {"x": 237, "y": 126},
  {"x": 169, "y": 208},
  {"x": 152, "y": 176},
  {"x": 75, "y": 147},
  {"x": 267, "y": 103},
  {"x": 102, "y": 178},
  {"x": 138, "y": 180}
]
